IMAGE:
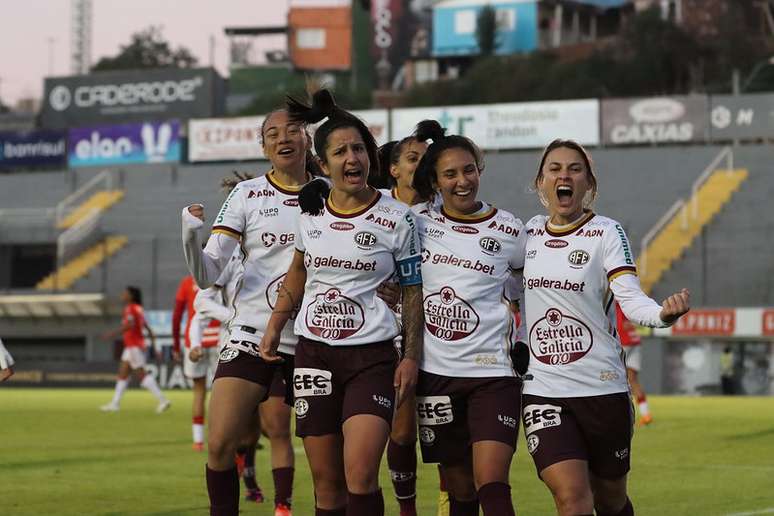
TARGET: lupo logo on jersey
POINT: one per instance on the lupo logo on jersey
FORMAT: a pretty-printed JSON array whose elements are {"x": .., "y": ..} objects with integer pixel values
[
  {"x": 122, "y": 144},
  {"x": 272, "y": 292},
  {"x": 332, "y": 316},
  {"x": 559, "y": 339},
  {"x": 449, "y": 317},
  {"x": 490, "y": 246}
]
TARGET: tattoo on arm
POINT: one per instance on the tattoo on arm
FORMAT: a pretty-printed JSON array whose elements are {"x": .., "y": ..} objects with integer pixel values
[
  {"x": 285, "y": 295},
  {"x": 413, "y": 322}
]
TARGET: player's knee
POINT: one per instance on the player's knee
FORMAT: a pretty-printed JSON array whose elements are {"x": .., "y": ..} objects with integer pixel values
[
  {"x": 220, "y": 448},
  {"x": 329, "y": 488},
  {"x": 362, "y": 477},
  {"x": 573, "y": 500}
]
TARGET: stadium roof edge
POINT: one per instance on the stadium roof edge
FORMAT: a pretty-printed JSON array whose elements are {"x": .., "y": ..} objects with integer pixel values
[{"x": 52, "y": 305}]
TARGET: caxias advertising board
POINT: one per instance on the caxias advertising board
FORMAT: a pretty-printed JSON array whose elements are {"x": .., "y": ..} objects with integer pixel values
[{"x": 149, "y": 142}]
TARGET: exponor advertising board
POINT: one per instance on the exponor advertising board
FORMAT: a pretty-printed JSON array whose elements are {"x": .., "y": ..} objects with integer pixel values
[
  {"x": 150, "y": 142},
  {"x": 130, "y": 96},
  {"x": 640, "y": 121},
  {"x": 509, "y": 126},
  {"x": 238, "y": 139}
]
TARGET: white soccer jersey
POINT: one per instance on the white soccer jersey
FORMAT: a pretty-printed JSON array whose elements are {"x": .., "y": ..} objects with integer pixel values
[
  {"x": 6, "y": 360},
  {"x": 571, "y": 278},
  {"x": 466, "y": 265},
  {"x": 262, "y": 213},
  {"x": 347, "y": 256}
]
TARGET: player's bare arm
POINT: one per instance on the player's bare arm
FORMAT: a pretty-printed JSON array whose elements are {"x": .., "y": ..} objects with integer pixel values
[
  {"x": 290, "y": 293},
  {"x": 413, "y": 324}
]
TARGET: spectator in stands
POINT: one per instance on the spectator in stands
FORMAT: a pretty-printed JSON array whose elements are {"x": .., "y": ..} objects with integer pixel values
[
  {"x": 727, "y": 371},
  {"x": 6, "y": 363},
  {"x": 133, "y": 357}
]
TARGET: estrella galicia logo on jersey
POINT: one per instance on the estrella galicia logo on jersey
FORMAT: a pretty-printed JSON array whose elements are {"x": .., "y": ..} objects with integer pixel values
[
  {"x": 381, "y": 221},
  {"x": 365, "y": 240},
  {"x": 490, "y": 246},
  {"x": 559, "y": 339},
  {"x": 465, "y": 230},
  {"x": 578, "y": 258},
  {"x": 290, "y": 202},
  {"x": 448, "y": 316},
  {"x": 333, "y": 316},
  {"x": 272, "y": 292},
  {"x": 228, "y": 354},
  {"x": 556, "y": 243},
  {"x": 434, "y": 410},
  {"x": 268, "y": 239},
  {"x": 342, "y": 226}
]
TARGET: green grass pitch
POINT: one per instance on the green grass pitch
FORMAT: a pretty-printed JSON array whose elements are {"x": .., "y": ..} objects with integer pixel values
[{"x": 60, "y": 456}]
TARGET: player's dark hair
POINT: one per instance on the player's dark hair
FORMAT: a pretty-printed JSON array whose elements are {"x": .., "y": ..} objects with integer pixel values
[
  {"x": 569, "y": 144},
  {"x": 135, "y": 294},
  {"x": 425, "y": 177},
  {"x": 323, "y": 107},
  {"x": 389, "y": 154}
]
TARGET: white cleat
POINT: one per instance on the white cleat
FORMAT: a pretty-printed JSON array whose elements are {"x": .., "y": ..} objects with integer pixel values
[
  {"x": 110, "y": 407},
  {"x": 163, "y": 406}
]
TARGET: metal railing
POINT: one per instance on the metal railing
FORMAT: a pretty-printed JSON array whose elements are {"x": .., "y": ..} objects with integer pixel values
[
  {"x": 689, "y": 213},
  {"x": 76, "y": 239},
  {"x": 101, "y": 182}
]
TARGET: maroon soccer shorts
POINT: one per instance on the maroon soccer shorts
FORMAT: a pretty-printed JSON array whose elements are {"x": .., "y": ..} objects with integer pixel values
[
  {"x": 453, "y": 413},
  {"x": 239, "y": 359},
  {"x": 597, "y": 429},
  {"x": 334, "y": 383}
]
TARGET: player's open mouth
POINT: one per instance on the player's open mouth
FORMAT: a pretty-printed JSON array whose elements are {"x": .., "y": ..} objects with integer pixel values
[
  {"x": 564, "y": 194},
  {"x": 463, "y": 193},
  {"x": 353, "y": 176},
  {"x": 286, "y": 151}
]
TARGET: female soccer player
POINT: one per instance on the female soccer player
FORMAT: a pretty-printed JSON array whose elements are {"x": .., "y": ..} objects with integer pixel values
[
  {"x": 467, "y": 393},
  {"x": 133, "y": 357},
  {"x": 346, "y": 378},
  {"x": 259, "y": 215},
  {"x": 577, "y": 412},
  {"x": 6, "y": 363}
]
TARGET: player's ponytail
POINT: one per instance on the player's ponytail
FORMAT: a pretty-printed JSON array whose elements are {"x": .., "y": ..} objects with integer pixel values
[
  {"x": 430, "y": 130},
  {"x": 312, "y": 196}
]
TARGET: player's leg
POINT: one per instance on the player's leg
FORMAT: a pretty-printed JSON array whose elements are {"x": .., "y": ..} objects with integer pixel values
[
  {"x": 137, "y": 362},
  {"x": 639, "y": 394},
  {"x": 402, "y": 456},
  {"x": 245, "y": 458},
  {"x": 197, "y": 412},
  {"x": 122, "y": 382},
  {"x": 365, "y": 437},
  {"x": 463, "y": 499},
  {"x": 326, "y": 464},
  {"x": 233, "y": 404},
  {"x": 275, "y": 419},
  {"x": 610, "y": 497},
  {"x": 570, "y": 486},
  {"x": 491, "y": 465}
]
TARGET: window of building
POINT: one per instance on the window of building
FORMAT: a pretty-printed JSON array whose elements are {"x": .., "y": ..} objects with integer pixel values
[
  {"x": 506, "y": 19},
  {"x": 465, "y": 22},
  {"x": 310, "y": 39}
]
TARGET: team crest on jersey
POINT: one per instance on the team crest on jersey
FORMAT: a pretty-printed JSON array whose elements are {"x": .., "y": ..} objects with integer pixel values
[
  {"x": 273, "y": 290},
  {"x": 490, "y": 246},
  {"x": 228, "y": 354},
  {"x": 302, "y": 407},
  {"x": 533, "y": 441},
  {"x": 365, "y": 240},
  {"x": 332, "y": 316},
  {"x": 465, "y": 230},
  {"x": 448, "y": 316},
  {"x": 559, "y": 339},
  {"x": 426, "y": 435},
  {"x": 578, "y": 258}
]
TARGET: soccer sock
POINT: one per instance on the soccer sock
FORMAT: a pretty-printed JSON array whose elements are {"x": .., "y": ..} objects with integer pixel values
[
  {"x": 642, "y": 402},
  {"x": 223, "y": 489},
  {"x": 627, "y": 510},
  {"x": 441, "y": 481},
  {"x": 283, "y": 485},
  {"x": 462, "y": 508},
  {"x": 248, "y": 474},
  {"x": 402, "y": 462},
  {"x": 121, "y": 386},
  {"x": 370, "y": 504},
  {"x": 149, "y": 382},
  {"x": 330, "y": 512},
  {"x": 198, "y": 429},
  {"x": 495, "y": 499}
]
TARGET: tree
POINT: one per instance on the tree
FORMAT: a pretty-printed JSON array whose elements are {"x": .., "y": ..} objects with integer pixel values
[
  {"x": 148, "y": 49},
  {"x": 486, "y": 30}
]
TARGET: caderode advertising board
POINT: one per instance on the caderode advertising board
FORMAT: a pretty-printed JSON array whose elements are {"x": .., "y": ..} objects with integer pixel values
[
  {"x": 740, "y": 117},
  {"x": 33, "y": 149},
  {"x": 509, "y": 126},
  {"x": 150, "y": 142},
  {"x": 131, "y": 96},
  {"x": 640, "y": 121},
  {"x": 237, "y": 139}
]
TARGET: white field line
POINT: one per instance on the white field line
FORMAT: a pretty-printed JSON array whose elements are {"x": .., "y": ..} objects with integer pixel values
[{"x": 770, "y": 510}]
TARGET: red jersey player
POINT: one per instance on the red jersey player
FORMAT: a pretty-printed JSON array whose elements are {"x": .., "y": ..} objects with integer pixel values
[{"x": 630, "y": 341}]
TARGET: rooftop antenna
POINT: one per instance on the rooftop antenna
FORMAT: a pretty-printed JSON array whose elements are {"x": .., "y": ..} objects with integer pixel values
[{"x": 80, "y": 37}]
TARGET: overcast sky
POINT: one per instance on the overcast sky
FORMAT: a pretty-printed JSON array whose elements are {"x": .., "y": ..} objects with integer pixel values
[{"x": 27, "y": 27}]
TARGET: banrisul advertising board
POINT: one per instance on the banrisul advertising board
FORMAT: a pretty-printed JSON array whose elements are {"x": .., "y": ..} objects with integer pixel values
[
  {"x": 150, "y": 142},
  {"x": 654, "y": 120},
  {"x": 131, "y": 96},
  {"x": 32, "y": 149}
]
